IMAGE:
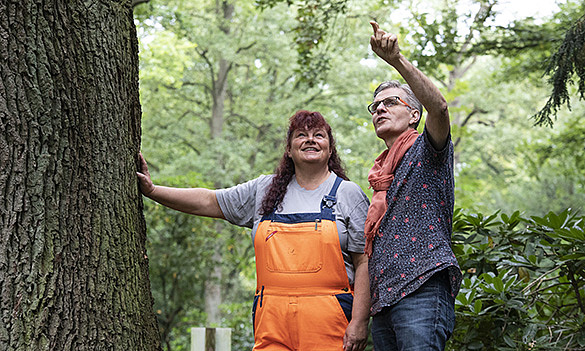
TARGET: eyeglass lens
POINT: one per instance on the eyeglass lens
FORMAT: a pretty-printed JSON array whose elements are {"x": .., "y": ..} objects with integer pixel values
[{"x": 388, "y": 102}]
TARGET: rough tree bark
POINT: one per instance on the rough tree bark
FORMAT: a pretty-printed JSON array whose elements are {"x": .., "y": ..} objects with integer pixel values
[{"x": 73, "y": 266}]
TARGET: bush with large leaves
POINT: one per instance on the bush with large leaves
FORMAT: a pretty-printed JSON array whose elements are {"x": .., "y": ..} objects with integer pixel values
[{"x": 524, "y": 282}]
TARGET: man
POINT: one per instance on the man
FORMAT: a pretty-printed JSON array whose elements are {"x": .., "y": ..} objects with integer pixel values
[{"x": 414, "y": 275}]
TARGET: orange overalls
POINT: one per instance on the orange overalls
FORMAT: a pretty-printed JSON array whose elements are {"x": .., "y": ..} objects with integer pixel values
[{"x": 303, "y": 298}]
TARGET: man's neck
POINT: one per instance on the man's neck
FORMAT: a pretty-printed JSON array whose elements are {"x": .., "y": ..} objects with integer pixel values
[{"x": 389, "y": 141}]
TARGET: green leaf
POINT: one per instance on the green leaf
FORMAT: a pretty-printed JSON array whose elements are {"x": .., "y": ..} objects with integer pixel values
[
  {"x": 508, "y": 340},
  {"x": 477, "y": 305},
  {"x": 476, "y": 345},
  {"x": 575, "y": 256},
  {"x": 572, "y": 233},
  {"x": 498, "y": 284}
]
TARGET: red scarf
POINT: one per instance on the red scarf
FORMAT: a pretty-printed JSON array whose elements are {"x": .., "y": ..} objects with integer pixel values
[{"x": 380, "y": 177}]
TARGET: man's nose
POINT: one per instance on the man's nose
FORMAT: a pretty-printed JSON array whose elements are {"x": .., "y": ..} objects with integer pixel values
[{"x": 381, "y": 106}]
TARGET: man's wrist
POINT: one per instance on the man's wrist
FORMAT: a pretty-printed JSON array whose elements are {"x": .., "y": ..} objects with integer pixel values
[{"x": 397, "y": 60}]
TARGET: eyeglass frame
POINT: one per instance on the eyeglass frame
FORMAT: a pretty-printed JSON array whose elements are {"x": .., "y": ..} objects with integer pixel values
[{"x": 396, "y": 98}]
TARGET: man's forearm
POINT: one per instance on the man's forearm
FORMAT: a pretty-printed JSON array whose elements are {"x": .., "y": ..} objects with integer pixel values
[
  {"x": 437, "y": 121},
  {"x": 424, "y": 89}
]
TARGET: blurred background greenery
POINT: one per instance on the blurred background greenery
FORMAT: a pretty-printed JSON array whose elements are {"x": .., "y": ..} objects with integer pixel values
[{"x": 220, "y": 78}]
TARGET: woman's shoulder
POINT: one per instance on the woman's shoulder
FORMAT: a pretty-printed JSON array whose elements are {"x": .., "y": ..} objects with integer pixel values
[
  {"x": 253, "y": 185},
  {"x": 352, "y": 202},
  {"x": 265, "y": 178},
  {"x": 348, "y": 185},
  {"x": 262, "y": 182},
  {"x": 351, "y": 190}
]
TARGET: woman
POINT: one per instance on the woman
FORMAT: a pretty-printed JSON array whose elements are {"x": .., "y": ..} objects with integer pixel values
[{"x": 307, "y": 225}]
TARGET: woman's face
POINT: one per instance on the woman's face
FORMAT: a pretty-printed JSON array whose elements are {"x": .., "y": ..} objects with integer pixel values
[{"x": 309, "y": 146}]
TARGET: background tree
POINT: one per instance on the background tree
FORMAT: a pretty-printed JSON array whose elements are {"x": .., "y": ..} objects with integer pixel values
[
  {"x": 190, "y": 134},
  {"x": 553, "y": 49},
  {"x": 566, "y": 62},
  {"x": 73, "y": 266},
  {"x": 313, "y": 20},
  {"x": 505, "y": 163}
]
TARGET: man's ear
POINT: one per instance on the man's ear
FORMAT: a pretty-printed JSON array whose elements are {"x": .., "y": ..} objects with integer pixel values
[{"x": 414, "y": 117}]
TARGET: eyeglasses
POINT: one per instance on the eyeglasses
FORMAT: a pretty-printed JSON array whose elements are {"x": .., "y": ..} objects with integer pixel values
[{"x": 388, "y": 102}]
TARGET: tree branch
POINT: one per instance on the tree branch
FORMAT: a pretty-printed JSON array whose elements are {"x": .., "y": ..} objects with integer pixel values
[
  {"x": 187, "y": 83},
  {"x": 575, "y": 286},
  {"x": 245, "y": 47},
  {"x": 466, "y": 120},
  {"x": 247, "y": 120},
  {"x": 203, "y": 54},
  {"x": 138, "y": 2}
]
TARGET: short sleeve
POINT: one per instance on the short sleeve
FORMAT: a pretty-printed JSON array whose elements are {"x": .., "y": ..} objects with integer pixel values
[
  {"x": 434, "y": 155},
  {"x": 239, "y": 203},
  {"x": 354, "y": 207}
]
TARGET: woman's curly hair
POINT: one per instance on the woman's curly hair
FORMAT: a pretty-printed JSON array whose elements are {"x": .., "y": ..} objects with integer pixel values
[{"x": 286, "y": 169}]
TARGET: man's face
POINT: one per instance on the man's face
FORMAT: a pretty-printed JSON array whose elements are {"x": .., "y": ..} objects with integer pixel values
[{"x": 391, "y": 121}]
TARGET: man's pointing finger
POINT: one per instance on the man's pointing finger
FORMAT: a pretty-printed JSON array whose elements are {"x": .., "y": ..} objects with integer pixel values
[{"x": 375, "y": 26}]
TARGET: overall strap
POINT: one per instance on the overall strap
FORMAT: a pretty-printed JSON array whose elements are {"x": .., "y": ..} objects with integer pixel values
[
  {"x": 326, "y": 207},
  {"x": 330, "y": 200}
]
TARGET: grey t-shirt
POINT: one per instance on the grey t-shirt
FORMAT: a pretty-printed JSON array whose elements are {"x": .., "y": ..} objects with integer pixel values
[{"x": 240, "y": 205}]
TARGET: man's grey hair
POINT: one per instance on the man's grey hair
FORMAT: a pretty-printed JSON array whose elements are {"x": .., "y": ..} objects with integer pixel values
[{"x": 410, "y": 98}]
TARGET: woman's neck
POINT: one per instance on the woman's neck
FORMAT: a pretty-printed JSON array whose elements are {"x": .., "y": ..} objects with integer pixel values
[{"x": 311, "y": 179}]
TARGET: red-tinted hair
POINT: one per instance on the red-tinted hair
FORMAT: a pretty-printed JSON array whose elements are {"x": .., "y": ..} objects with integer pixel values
[{"x": 286, "y": 169}]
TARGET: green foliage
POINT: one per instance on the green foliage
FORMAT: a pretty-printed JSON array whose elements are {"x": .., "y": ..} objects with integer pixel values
[
  {"x": 436, "y": 39},
  {"x": 503, "y": 163},
  {"x": 567, "y": 61},
  {"x": 313, "y": 21},
  {"x": 524, "y": 286},
  {"x": 177, "y": 247},
  {"x": 239, "y": 320},
  {"x": 180, "y": 248},
  {"x": 553, "y": 48},
  {"x": 507, "y": 164}
]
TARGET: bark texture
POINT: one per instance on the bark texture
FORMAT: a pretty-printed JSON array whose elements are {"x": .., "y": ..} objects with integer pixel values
[{"x": 73, "y": 266}]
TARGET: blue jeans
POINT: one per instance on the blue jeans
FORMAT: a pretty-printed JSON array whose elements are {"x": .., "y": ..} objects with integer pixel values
[{"x": 422, "y": 320}]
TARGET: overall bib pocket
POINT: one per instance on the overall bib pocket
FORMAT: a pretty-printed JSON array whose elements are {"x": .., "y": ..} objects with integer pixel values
[{"x": 293, "y": 249}]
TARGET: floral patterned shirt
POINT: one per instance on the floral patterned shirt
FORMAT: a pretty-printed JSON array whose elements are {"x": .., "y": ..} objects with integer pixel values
[{"x": 415, "y": 233}]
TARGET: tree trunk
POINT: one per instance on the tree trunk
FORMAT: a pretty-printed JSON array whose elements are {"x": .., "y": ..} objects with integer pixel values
[
  {"x": 213, "y": 296},
  {"x": 73, "y": 266},
  {"x": 219, "y": 96}
]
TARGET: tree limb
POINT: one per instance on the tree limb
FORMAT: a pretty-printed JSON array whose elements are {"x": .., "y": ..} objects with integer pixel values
[
  {"x": 245, "y": 47},
  {"x": 138, "y": 2},
  {"x": 575, "y": 286},
  {"x": 203, "y": 54}
]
